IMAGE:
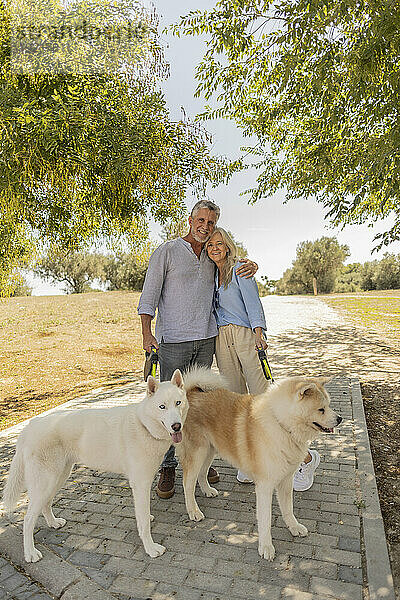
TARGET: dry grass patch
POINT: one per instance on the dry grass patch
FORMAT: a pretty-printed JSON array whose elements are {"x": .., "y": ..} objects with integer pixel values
[
  {"x": 378, "y": 312},
  {"x": 54, "y": 348}
]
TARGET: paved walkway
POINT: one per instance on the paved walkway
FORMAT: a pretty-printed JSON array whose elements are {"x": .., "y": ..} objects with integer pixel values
[{"x": 98, "y": 554}]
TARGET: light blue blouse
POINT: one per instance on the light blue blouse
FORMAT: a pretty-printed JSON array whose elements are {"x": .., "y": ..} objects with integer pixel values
[{"x": 239, "y": 303}]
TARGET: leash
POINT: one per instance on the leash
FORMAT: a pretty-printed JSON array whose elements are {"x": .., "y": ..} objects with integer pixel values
[
  {"x": 150, "y": 364},
  {"x": 265, "y": 365}
]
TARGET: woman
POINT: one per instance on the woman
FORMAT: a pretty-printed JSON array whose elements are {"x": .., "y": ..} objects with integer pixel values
[
  {"x": 241, "y": 322},
  {"x": 241, "y": 326}
]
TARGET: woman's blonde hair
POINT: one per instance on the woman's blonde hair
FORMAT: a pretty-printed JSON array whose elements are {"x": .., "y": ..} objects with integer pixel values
[{"x": 231, "y": 256}]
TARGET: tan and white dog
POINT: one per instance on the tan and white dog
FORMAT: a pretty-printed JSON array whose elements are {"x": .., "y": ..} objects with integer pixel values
[
  {"x": 131, "y": 440},
  {"x": 265, "y": 436}
]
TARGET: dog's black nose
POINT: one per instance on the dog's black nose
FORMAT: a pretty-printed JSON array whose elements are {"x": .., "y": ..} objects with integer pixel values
[
  {"x": 339, "y": 419},
  {"x": 176, "y": 426}
]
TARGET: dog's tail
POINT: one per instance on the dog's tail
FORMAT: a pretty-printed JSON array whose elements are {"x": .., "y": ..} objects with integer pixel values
[
  {"x": 15, "y": 482},
  {"x": 203, "y": 379}
]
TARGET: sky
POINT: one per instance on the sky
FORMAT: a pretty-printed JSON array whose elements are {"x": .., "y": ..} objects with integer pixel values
[{"x": 269, "y": 229}]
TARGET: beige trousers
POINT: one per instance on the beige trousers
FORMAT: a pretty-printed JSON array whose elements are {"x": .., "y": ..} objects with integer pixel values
[{"x": 238, "y": 361}]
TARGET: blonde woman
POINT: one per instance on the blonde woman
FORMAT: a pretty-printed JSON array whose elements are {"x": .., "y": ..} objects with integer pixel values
[
  {"x": 241, "y": 330},
  {"x": 240, "y": 320}
]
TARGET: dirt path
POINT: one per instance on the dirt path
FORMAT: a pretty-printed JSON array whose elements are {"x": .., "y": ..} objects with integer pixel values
[{"x": 306, "y": 336}]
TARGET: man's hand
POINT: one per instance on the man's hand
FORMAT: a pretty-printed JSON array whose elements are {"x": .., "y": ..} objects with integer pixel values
[
  {"x": 148, "y": 338},
  {"x": 148, "y": 341},
  {"x": 248, "y": 268}
]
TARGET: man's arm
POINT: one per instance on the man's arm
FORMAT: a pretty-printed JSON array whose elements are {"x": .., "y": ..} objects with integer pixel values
[
  {"x": 247, "y": 269},
  {"x": 148, "y": 338},
  {"x": 150, "y": 295}
]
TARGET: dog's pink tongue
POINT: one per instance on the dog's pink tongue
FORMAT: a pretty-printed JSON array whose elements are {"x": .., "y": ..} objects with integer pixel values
[
  {"x": 177, "y": 437},
  {"x": 331, "y": 429}
]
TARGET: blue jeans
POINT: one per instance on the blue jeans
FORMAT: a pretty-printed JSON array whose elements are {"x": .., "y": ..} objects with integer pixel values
[{"x": 182, "y": 356}]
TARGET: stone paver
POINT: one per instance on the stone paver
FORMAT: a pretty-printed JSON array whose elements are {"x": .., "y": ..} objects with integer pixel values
[{"x": 98, "y": 554}]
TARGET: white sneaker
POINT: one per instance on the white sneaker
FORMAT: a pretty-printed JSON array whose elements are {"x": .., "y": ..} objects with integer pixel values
[
  {"x": 304, "y": 476},
  {"x": 243, "y": 478}
]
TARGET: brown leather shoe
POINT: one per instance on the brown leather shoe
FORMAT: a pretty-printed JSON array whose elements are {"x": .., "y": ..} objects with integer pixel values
[
  {"x": 166, "y": 483},
  {"x": 213, "y": 475}
]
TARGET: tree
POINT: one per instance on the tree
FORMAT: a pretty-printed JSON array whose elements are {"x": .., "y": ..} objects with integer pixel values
[
  {"x": 368, "y": 275},
  {"x": 320, "y": 260},
  {"x": 76, "y": 270},
  {"x": 16, "y": 252},
  {"x": 381, "y": 274},
  {"x": 174, "y": 229},
  {"x": 21, "y": 287},
  {"x": 317, "y": 85},
  {"x": 266, "y": 286},
  {"x": 94, "y": 154},
  {"x": 388, "y": 272},
  {"x": 349, "y": 278},
  {"x": 126, "y": 271},
  {"x": 291, "y": 283}
]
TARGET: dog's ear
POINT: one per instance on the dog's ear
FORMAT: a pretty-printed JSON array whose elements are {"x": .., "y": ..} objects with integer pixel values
[
  {"x": 323, "y": 380},
  {"x": 152, "y": 385},
  {"x": 177, "y": 379},
  {"x": 306, "y": 389}
]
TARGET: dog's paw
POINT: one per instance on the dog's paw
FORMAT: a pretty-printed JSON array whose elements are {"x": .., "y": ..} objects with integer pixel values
[
  {"x": 58, "y": 522},
  {"x": 156, "y": 550},
  {"x": 298, "y": 530},
  {"x": 211, "y": 492},
  {"x": 196, "y": 515},
  {"x": 33, "y": 555},
  {"x": 151, "y": 518},
  {"x": 266, "y": 551}
]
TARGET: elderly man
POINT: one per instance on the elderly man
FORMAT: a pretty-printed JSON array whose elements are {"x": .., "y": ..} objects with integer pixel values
[{"x": 180, "y": 283}]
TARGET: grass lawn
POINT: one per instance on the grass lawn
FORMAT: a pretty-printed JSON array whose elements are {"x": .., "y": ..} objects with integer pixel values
[
  {"x": 54, "y": 348},
  {"x": 378, "y": 311}
]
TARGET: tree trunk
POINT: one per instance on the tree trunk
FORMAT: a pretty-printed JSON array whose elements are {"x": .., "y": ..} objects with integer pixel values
[{"x": 314, "y": 283}]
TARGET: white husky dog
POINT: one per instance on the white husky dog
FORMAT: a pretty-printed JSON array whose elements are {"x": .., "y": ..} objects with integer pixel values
[{"x": 131, "y": 440}]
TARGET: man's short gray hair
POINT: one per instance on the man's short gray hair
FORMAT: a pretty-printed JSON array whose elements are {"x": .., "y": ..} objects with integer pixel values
[{"x": 205, "y": 204}]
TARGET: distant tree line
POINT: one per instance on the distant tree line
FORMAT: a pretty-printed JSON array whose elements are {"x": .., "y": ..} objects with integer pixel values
[
  {"x": 81, "y": 272},
  {"x": 320, "y": 263},
  {"x": 318, "y": 267}
]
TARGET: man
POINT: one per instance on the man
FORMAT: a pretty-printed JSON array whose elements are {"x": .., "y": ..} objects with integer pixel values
[{"x": 180, "y": 283}]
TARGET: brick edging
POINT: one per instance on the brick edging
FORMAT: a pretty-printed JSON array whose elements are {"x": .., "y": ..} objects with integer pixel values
[{"x": 379, "y": 574}]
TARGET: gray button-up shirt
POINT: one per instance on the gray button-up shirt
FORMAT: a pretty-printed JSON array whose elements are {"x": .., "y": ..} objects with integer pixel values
[{"x": 181, "y": 286}]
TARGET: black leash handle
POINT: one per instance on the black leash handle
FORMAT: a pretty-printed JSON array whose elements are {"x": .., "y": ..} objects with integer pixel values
[
  {"x": 265, "y": 365},
  {"x": 150, "y": 367}
]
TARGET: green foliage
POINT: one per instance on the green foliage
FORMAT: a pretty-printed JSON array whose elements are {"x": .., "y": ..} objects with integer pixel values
[
  {"x": 174, "y": 229},
  {"x": 321, "y": 260},
  {"x": 383, "y": 274},
  {"x": 291, "y": 283},
  {"x": 266, "y": 286},
  {"x": 76, "y": 270},
  {"x": 88, "y": 155},
  {"x": 126, "y": 271},
  {"x": 21, "y": 287},
  {"x": 16, "y": 251},
  {"x": 317, "y": 84},
  {"x": 349, "y": 278}
]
